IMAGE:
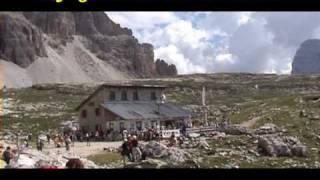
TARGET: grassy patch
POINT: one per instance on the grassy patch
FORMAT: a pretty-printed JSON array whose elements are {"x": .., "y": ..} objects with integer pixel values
[{"x": 105, "y": 158}]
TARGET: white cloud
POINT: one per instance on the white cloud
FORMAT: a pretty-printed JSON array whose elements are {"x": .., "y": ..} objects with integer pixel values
[
  {"x": 172, "y": 55},
  {"x": 142, "y": 20},
  {"x": 259, "y": 42},
  {"x": 224, "y": 58}
]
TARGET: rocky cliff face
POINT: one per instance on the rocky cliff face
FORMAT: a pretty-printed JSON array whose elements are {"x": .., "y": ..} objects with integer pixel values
[
  {"x": 25, "y": 38},
  {"x": 164, "y": 69},
  {"x": 20, "y": 41},
  {"x": 307, "y": 58}
]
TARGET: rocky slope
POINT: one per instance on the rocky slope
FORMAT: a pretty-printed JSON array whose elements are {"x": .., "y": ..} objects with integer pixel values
[
  {"x": 307, "y": 58},
  {"x": 54, "y": 47}
]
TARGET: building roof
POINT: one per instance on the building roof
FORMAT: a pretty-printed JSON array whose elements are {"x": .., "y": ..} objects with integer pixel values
[
  {"x": 118, "y": 85},
  {"x": 145, "y": 110}
]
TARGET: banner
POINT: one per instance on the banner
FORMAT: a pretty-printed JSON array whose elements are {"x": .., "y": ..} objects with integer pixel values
[{"x": 168, "y": 133}]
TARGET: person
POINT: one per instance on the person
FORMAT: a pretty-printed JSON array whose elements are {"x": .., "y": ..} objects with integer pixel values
[
  {"x": 149, "y": 136},
  {"x": 97, "y": 135},
  {"x": 157, "y": 136},
  {"x": 184, "y": 129},
  {"x": 26, "y": 143},
  {"x": 7, "y": 155},
  {"x": 78, "y": 135},
  {"x": 29, "y": 137},
  {"x": 88, "y": 139},
  {"x": 180, "y": 141},
  {"x": 135, "y": 151},
  {"x": 48, "y": 138},
  {"x": 72, "y": 139},
  {"x": 67, "y": 142},
  {"x": 124, "y": 134},
  {"x": 38, "y": 144},
  {"x": 125, "y": 151},
  {"x": 172, "y": 140},
  {"x": 41, "y": 144}
]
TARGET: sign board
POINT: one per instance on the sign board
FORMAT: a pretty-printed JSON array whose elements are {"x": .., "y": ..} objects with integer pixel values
[{"x": 168, "y": 133}]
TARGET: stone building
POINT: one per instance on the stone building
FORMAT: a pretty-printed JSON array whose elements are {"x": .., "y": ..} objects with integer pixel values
[{"x": 128, "y": 106}]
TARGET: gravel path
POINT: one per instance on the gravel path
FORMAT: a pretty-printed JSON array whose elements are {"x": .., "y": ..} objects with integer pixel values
[{"x": 81, "y": 149}]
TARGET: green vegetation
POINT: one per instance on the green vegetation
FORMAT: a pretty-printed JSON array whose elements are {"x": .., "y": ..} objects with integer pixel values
[
  {"x": 106, "y": 158},
  {"x": 278, "y": 100}
]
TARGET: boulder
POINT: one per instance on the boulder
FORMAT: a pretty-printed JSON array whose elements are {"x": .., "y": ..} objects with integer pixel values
[
  {"x": 234, "y": 129},
  {"x": 268, "y": 128},
  {"x": 172, "y": 155},
  {"x": 274, "y": 145}
]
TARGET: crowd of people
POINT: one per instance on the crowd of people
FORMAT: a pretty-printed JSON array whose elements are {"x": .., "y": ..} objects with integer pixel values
[{"x": 130, "y": 149}]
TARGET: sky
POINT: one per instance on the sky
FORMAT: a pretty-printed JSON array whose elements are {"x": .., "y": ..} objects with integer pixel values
[{"x": 211, "y": 42}]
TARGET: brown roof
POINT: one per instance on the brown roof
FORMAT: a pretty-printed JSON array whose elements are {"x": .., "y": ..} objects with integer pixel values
[{"x": 118, "y": 85}]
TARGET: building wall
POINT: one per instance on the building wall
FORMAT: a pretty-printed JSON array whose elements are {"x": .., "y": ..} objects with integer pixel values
[
  {"x": 144, "y": 94},
  {"x": 131, "y": 125},
  {"x": 90, "y": 122}
]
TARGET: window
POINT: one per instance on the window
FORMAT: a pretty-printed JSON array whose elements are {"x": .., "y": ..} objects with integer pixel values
[
  {"x": 111, "y": 125},
  {"x": 112, "y": 96},
  {"x": 135, "y": 95},
  {"x": 146, "y": 125},
  {"x": 153, "y": 124},
  {"x": 97, "y": 111},
  {"x": 153, "y": 95},
  {"x": 121, "y": 126},
  {"x": 139, "y": 125},
  {"x": 132, "y": 126},
  {"x": 124, "y": 96},
  {"x": 84, "y": 113}
]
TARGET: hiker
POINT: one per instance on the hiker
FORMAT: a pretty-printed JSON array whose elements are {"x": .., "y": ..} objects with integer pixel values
[
  {"x": 67, "y": 142},
  {"x": 124, "y": 134},
  {"x": 97, "y": 135},
  {"x": 157, "y": 136},
  {"x": 72, "y": 139},
  {"x": 41, "y": 144},
  {"x": 7, "y": 155},
  {"x": 135, "y": 151},
  {"x": 48, "y": 138},
  {"x": 26, "y": 143},
  {"x": 29, "y": 137},
  {"x": 172, "y": 140},
  {"x": 38, "y": 144},
  {"x": 88, "y": 139},
  {"x": 184, "y": 130},
  {"x": 78, "y": 136},
  {"x": 180, "y": 141},
  {"x": 125, "y": 152}
]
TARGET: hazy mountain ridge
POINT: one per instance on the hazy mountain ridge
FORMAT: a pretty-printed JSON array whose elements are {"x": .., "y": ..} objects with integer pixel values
[{"x": 307, "y": 58}]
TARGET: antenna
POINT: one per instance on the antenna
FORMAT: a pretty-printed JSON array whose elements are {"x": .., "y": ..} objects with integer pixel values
[
  {"x": 203, "y": 96},
  {"x": 204, "y": 107}
]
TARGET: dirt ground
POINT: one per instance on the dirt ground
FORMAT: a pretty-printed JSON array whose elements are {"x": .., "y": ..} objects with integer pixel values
[{"x": 79, "y": 148}]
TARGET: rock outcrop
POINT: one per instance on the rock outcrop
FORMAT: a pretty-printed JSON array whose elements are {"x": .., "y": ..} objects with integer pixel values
[
  {"x": 307, "y": 58},
  {"x": 274, "y": 145},
  {"x": 20, "y": 41},
  {"x": 164, "y": 69},
  {"x": 29, "y": 36}
]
